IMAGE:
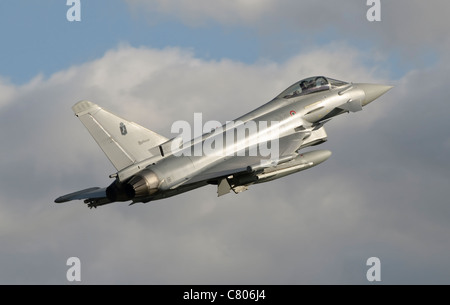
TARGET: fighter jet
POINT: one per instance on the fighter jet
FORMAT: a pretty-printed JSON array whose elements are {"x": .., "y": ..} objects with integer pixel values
[{"x": 232, "y": 156}]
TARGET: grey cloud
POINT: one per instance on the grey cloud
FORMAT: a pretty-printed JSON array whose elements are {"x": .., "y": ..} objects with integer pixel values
[
  {"x": 382, "y": 193},
  {"x": 408, "y": 26}
]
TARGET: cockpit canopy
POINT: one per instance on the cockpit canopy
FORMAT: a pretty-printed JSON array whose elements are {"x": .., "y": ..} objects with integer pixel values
[{"x": 311, "y": 85}]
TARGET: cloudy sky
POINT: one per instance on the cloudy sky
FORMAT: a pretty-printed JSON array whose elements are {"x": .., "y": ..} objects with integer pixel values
[{"x": 384, "y": 192}]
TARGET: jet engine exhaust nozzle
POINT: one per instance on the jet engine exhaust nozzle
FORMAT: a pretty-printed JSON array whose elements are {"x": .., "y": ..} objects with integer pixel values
[{"x": 143, "y": 184}]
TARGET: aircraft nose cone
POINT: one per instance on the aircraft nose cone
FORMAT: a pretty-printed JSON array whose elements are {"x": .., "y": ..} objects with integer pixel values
[{"x": 373, "y": 91}]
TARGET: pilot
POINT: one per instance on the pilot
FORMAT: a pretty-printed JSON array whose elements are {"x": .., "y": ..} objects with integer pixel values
[
  {"x": 303, "y": 86},
  {"x": 320, "y": 81}
]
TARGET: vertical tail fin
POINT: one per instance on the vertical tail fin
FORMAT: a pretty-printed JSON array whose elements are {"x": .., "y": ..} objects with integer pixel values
[{"x": 123, "y": 142}]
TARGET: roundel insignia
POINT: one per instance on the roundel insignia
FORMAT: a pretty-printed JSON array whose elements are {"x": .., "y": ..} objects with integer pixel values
[{"x": 292, "y": 112}]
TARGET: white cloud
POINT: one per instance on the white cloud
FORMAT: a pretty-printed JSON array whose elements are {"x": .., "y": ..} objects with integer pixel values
[{"x": 318, "y": 226}]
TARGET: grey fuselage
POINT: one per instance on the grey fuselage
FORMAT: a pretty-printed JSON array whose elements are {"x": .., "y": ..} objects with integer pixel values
[{"x": 298, "y": 119}]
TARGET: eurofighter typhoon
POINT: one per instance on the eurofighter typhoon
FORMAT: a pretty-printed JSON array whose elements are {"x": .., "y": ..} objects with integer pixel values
[{"x": 260, "y": 146}]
